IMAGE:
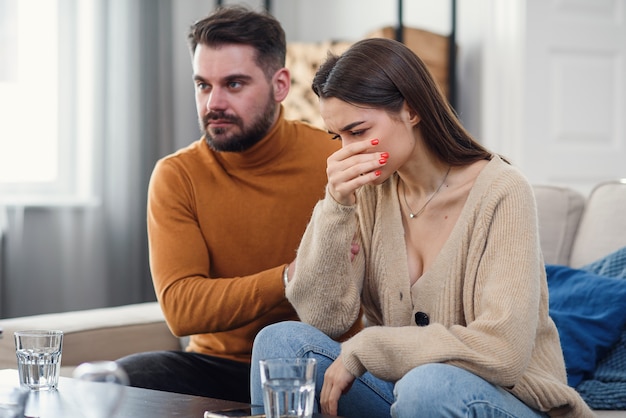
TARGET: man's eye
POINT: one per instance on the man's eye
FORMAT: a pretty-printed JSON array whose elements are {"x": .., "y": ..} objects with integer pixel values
[
  {"x": 202, "y": 86},
  {"x": 234, "y": 85},
  {"x": 335, "y": 137}
]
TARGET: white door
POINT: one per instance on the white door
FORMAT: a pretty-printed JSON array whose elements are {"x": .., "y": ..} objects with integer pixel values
[{"x": 559, "y": 105}]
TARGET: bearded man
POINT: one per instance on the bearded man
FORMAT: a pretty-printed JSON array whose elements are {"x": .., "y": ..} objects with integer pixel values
[{"x": 226, "y": 214}]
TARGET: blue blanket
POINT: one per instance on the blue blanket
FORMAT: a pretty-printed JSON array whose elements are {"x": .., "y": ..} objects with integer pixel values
[{"x": 602, "y": 384}]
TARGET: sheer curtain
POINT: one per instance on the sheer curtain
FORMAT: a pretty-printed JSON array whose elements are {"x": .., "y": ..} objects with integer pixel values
[{"x": 85, "y": 256}]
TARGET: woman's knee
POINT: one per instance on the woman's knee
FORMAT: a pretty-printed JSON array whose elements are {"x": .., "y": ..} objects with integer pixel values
[
  {"x": 283, "y": 338},
  {"x": 272, "y": 338},
  {"x": 270, "y": 332}
]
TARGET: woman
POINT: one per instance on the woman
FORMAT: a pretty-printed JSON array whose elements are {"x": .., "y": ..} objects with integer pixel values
[{"x": 436, "y": 239}]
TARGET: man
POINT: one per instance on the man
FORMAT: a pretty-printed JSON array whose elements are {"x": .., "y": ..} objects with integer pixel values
[{"x": 226, "y": 214}]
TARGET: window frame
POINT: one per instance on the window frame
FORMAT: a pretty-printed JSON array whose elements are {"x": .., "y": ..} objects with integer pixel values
[{"x": 76, "y": 82}]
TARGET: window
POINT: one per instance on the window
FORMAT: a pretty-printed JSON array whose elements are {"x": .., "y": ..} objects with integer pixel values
[{"x": 46, "y": 101}]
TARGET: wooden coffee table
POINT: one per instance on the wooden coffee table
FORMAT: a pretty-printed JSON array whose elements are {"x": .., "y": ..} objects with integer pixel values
[{"x": 137, "y": 402}]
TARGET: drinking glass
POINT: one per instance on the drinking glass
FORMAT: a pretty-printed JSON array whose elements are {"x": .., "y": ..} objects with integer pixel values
[
  {"x": 101, "y": 388},
  {"x": 288, "y": 387},
  {"x": 39, "y": 358}
]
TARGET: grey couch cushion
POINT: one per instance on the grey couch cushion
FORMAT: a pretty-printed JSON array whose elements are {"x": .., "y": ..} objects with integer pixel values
[
  {"x": 602, "y": 228},
  {"x": 559, "y": 211}
]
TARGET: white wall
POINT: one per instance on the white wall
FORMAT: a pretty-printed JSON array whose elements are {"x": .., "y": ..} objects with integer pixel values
[
  {"x": 349, "y": 20},
  {"x": 555, "y": 89}
]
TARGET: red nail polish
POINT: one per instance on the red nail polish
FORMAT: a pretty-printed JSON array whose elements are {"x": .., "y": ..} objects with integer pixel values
[
  {"x": 374, "y": 141},
  {"x": 384, "y": 155},
  {"x": 382, "y": 160},
  {"x": 378, "y": 172}
]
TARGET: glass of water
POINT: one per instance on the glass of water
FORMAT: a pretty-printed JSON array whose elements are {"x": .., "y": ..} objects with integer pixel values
[
  {"x": 39, "y": 358},
  {"x": 288, "y": 387},
  {"x": 101, "y": 388}
]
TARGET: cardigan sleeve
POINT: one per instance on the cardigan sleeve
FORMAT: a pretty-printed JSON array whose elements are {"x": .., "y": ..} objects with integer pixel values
[{"x": 326, "y": 287}]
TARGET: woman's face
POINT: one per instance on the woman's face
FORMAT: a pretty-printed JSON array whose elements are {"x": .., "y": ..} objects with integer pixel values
[{"x": 352, "y": 123}]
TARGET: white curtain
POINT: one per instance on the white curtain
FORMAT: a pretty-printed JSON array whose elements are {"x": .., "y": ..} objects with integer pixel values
[{"x": 64, "y": 258}]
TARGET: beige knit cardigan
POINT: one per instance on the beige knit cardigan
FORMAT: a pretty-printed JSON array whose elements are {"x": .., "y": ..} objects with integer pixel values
[{"x": 486, "y": 293}]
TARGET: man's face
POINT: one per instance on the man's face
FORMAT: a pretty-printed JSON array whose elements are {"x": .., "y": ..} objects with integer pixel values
[{"x": 235, "y": 101}]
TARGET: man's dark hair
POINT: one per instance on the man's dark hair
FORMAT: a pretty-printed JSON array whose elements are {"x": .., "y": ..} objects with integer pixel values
[{"x": 240, "y": 25}]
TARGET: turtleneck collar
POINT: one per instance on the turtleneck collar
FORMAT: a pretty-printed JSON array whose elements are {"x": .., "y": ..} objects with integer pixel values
[{"x": 262, "y": 153}]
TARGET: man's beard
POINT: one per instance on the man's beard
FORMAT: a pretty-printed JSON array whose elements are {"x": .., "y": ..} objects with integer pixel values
[{"x": 221, "y": 141}]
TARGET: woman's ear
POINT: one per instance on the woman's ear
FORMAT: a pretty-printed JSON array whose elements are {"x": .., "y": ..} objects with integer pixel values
[
  {"x": 281, "y": 81},
  {"x": 411, "y": 116}
]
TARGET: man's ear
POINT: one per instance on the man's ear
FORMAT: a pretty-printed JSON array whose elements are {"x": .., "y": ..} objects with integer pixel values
[{"x": 281, "y": 81}]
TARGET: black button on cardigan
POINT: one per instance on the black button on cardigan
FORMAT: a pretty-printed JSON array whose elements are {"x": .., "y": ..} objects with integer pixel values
[{"x": 421, "y": 319}]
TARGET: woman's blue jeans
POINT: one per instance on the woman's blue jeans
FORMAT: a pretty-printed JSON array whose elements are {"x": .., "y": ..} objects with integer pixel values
[{"x": 431, "y": 390}]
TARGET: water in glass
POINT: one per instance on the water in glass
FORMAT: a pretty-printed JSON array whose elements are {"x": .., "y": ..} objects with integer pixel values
[
  {"x": 38, "y": 369},
  {"x": 289, "y": 398}
]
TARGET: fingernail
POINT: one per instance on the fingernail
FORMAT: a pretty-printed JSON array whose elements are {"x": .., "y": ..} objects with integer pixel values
[
  {"x": 378, "y": 172},
  {"x": 384, "y": 155},
  {"x": 374, "y": 141},
  {"x": 382, "y": 160}
]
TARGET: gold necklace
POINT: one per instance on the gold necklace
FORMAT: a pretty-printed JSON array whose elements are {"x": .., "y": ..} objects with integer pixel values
[{"x": 419, "y": 212}]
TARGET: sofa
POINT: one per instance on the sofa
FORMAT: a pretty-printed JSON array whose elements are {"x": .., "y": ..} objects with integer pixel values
[{"x": 574, "y": 230}]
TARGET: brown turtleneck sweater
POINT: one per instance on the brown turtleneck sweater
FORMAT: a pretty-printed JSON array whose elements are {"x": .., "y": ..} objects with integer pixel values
[{"x": 222, "y": 227}]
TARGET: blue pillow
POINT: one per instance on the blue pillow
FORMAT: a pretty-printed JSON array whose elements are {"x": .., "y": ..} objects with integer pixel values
[{"x": 589, "y": 312}]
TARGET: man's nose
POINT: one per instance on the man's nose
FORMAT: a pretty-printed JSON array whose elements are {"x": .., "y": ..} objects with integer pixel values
[{"x": 216, "y": 100}]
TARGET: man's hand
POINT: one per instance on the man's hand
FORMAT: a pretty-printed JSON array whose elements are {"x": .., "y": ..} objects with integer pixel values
[
  {"x": 354, "y": 250},
  {"x": 337, "y": 381}
]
